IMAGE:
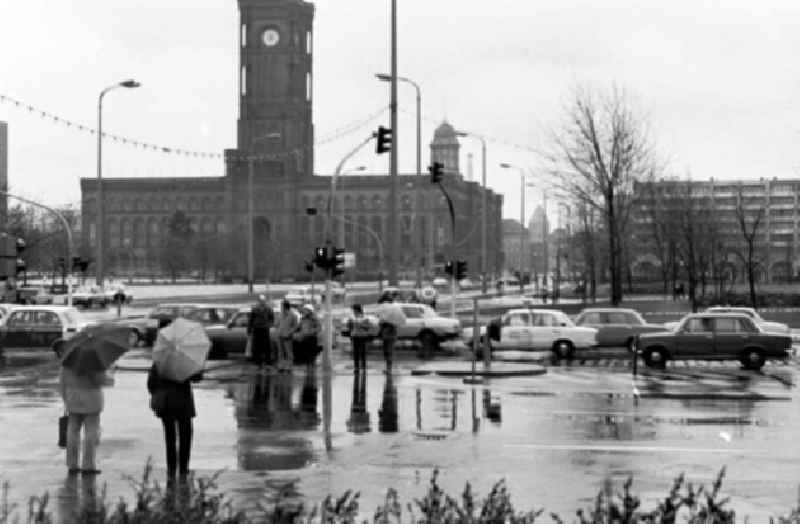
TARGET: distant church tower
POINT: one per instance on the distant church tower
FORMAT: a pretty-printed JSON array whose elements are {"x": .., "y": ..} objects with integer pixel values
[
  {"x": 445, "y": 148},
  {"x": 275, "y": 85}
]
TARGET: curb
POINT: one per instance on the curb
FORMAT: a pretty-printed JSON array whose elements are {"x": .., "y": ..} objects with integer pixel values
[{"x": 531, "y": 371}]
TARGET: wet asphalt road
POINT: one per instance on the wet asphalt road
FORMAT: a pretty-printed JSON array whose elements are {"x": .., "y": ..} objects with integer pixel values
[{"x": 555, "y": 437}]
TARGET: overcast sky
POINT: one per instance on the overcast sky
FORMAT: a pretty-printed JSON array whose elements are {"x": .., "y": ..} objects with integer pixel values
[{"x": 719, "y": 81}]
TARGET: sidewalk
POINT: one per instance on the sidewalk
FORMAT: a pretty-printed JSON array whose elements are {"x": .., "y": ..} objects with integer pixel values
[{"x": 458, "y": 368}]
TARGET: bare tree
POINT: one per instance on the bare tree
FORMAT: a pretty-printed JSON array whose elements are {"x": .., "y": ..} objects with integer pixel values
[
  {"x": 601, "y": 149},
  {"x": 749, "y": 221}
]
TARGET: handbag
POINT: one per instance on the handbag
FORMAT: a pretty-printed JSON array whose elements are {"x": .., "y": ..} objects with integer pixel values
[{"x": 63, "y": 420}]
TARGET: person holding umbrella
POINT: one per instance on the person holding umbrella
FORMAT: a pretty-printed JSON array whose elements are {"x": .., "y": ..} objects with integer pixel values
[
  {"x": 178, "y": 358},
  {"x": 84, "y": 361}
]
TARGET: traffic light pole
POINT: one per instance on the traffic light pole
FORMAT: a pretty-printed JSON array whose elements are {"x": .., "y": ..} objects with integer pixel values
[
  {"x": 454, "y": 262},
  {"x": 63, "y": 222}
]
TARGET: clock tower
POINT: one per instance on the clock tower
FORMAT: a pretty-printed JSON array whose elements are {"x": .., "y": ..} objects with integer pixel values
[{"x": 275, "y": 84}]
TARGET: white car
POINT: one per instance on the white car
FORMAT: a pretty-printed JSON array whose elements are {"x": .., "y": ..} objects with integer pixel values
[
  {"x": 767, "y": 326},
  {"x": 423, "y": 324},
  {"x": 40, "y": 326},
  {"x": 539, "y": 330}
]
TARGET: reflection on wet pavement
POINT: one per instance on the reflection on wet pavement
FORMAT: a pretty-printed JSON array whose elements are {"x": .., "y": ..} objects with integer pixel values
[{"x": 573, "y": 427}]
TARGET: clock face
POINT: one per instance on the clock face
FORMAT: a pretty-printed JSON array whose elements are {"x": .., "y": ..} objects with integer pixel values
[{"x": 270, "y": 37}]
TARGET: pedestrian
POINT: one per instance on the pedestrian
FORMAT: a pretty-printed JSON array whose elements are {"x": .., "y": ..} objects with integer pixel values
[
  {"x": 173, "y": 403},
  {"x": 306, "y": 337},
  {"x": 83, "y": 399},
  {"x": 261, "y": 320},
  {"x": 360, "y": 333},
  {"x": 287, "y": 325},
  {"x": 391, "y": 318}
]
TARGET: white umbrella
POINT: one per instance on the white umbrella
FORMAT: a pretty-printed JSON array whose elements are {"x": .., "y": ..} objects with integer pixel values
[{"x": 181, "y": 349}]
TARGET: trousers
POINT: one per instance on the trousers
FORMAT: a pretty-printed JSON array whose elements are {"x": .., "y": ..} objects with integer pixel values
[
  {"x": 359, "y": 352},
  {"x": 286, "y": 352},
  {"x": 262, "y": 351},
  {"x": 179, "y": 457},
  {"x": 90, "y": 422}
]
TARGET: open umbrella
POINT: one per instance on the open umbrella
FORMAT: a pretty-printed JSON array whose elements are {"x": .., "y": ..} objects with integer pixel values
[
  {"x": 181, "y": 349},
  {"x": 392, "y": 313},
  {"x": 95, "y": 348}
]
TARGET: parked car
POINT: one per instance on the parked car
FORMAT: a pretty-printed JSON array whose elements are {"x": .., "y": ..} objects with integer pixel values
[
  {"x": 144, "y": 329},
  {"x": 616, "y": 326},
  {"x": 427, "y": 295},
  {"x": 715, "y": 336},
  {"x": 423, "y": 324},
  {"x": 40, "y": 326},
  {"x": 770, "y": 327},
  {"x": 538, "y": 330},
  {"x": 232, "y": 336}
]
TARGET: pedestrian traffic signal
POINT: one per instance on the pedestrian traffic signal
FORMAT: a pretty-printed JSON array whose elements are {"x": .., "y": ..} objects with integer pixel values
[
  {"x": 437, "y": 172},
  {"x": 20, "y": 248},
  {"x": 448, "y": 268},
  {"x": 321, "y": 258},
  {"x": 337, "y": 266},
  {"x": 461, "y": 269},
  {"x": 383, "y": 140}
]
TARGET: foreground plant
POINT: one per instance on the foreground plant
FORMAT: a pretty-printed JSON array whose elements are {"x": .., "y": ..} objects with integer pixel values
[{"x": 199, "y": 500}]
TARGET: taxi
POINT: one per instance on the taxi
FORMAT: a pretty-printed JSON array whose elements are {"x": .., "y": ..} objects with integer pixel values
[{"x": 39, "y": 326}]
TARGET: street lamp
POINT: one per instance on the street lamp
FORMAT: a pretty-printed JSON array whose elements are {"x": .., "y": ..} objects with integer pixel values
[
  {"x": 483, "y": 204},
  {"x": 129, "y": 84},
  {"x": 388, "y": 78},
  {"x": 250, "y": 168},
  {"x": 522, "y": 175}
]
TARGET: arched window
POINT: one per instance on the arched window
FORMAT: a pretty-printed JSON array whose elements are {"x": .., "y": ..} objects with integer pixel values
[
  {"x": 206, "y": 204},
  {"x": 220, "y": 226},
  {"x": 194, "y": 204},
  {"x": 377, "y": 202},
  {"x": 361, "y": 233},
  {"x": 361, "y": 203},
  {"x": 166, "y": 205},
  {"x": 405, "y": 203},
  {"x": 127, "y": 232},
  {"x": 114, "y": 235},
  {"x": 139, "y": 233},
  {"x": 348, "y": 203},
  {"x": 154, "y": 232}
]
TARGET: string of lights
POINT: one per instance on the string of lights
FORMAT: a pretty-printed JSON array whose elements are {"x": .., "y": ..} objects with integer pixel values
[{"x": 333, "y": 136}]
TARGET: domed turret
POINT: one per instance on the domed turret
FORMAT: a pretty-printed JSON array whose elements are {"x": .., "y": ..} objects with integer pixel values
[{"x": 445, "y": 148}]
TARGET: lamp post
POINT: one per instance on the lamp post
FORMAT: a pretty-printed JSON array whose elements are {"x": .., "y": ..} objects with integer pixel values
[
  {"x": 522, "y": 175},
  {"x": 483, "y": 204},
  {"x": 388, "y": 78},
  {"x": 250, "y": 241},
  {"x": 129, "y": 84}
]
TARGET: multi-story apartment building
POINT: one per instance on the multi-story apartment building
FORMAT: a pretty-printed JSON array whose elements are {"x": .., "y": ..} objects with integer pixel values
[{"x": 769, "y": 208}]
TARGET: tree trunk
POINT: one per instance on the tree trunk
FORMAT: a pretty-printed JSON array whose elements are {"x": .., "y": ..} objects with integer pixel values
[
  {"x": 613, "y": 254},
  {"x": 751, "y": 275}
]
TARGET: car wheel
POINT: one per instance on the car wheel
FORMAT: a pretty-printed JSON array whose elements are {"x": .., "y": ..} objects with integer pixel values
[
  {"x": 563, "y": 349},
  {"x": 752, "y": 358},
  {"x": 133, "y": 338},
  {"x": 429, "y": 343},
  {"x": 655, "y": 358}
]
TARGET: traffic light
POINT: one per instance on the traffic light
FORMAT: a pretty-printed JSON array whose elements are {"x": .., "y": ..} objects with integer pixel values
[
  {"x": 437, "y": 172},
  {"x": 448, "y": 268},
  {"x": 321, "y": 257},
  {"x": 20, "y": 248},
  {"x": 384, "y": 140},
  {"x": 337, "y": 265},
  {"x": 79, "y": 264},
  {"x": 461, "y": 269}
]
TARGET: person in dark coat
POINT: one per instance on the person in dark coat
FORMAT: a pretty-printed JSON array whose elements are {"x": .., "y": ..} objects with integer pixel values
[
  {"x": 360, "y": 334},
  {"x": 261, "y": 320},
  {"x": 173, "y": 403}
]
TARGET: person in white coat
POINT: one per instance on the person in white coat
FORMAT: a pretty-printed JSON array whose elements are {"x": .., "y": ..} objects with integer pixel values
[{"x": 83, "y": 398}]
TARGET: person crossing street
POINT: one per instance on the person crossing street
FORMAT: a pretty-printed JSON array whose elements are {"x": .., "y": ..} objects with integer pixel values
[{"x": 261, "y": 320}]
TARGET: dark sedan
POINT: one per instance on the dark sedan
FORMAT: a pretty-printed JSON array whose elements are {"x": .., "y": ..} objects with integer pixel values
[
  {"x": 712, "y": 336},
  {"x": 616, "y": 326}
]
